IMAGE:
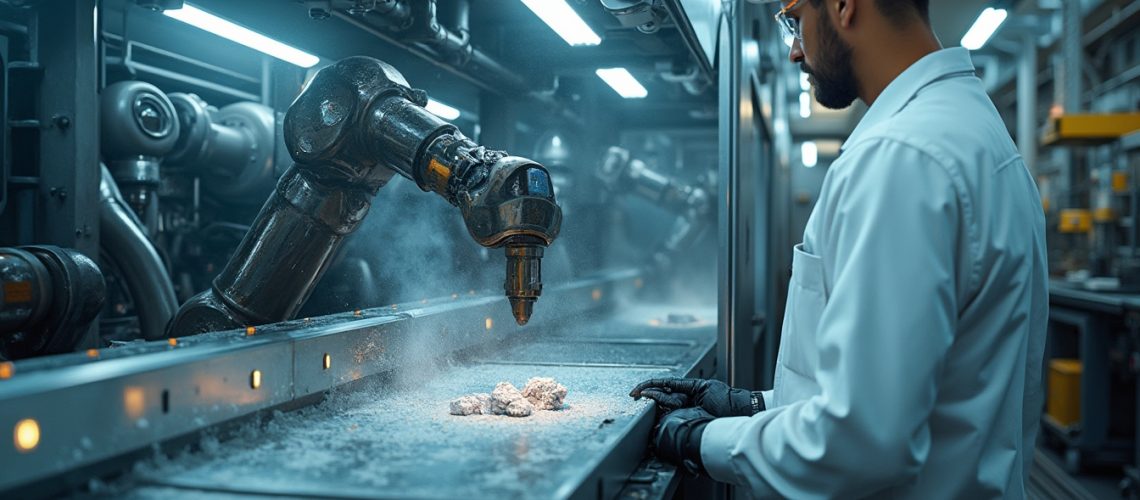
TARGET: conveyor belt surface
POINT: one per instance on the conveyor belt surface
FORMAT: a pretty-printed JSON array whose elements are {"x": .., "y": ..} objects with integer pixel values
[{"x": 396, "y": 439}]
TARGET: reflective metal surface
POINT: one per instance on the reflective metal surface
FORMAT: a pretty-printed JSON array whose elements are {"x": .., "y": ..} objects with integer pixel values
[
  {"x": 48, "y": 296},
  {"x": 128, "y": 249},
  {"x": 165, "y": 389}
]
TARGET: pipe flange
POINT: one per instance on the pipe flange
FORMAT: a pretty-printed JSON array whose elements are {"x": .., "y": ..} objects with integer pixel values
[{"x": 194, "y": 122}]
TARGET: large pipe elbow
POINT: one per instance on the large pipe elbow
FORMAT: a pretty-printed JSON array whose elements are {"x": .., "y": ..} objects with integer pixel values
[{"x": 130, "y": 251}]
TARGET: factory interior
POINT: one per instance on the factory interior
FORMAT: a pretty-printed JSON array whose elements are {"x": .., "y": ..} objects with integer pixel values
[{"x": 259, "y": 248}]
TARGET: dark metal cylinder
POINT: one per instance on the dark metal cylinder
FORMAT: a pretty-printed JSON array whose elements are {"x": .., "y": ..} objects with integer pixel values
[
  {"x": 25, "y": 290},
  {"x": 289, "y": 246},
  {"x": 228, "y": 148},
  {"x": 401, "y": 128}
]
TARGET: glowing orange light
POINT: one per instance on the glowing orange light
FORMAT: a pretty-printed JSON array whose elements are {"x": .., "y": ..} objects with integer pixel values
[
  {"x": 488, "y": 323},
  {"x": 93, "y": 353},
  {"x": 394, "y": 307},
  {"x": 596, "y": 294},
  {"x": 357, "y": 312},
  {"x": 654, "y": 322},
  {"x": 250, "y": 330},
  {"x": 638, "y": 283},
  {"x": 327, "y": 361},
  {"x": 172, "y": 341},
  {"x": 26, "y": 435},
  {"x": 255, "y": 379},
  {"x": 134, "y": 401},
  {"x": 6, "y": 370}
]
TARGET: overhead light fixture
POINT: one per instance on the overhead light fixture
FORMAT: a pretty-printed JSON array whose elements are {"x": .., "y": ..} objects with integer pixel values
[
  {"x": 988, "y": 23},
  {"x": 622, "y": 82},
  {"x": 809, "y": 153},
  {"x": 563, "y": 20},
  {"x": 805, "y": 105},
  {"x": 441, "y": 110},
  {"x": 206, "y": 21},
  {"x": 805, "y": 82}
]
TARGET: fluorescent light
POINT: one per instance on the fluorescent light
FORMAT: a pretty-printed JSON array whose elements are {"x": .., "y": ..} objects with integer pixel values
[
  {"x": 203, "y": 20},
  {"x": 805, "y": 105},
  {"x": 564, "y": 21},
  {"x": 805, "y": 82},
  {"x": 987, "y": 23},
  {"x": 809, "y": 153},
  {"x": 622, "y": 82},
  {"x": 441, "y": 110}
]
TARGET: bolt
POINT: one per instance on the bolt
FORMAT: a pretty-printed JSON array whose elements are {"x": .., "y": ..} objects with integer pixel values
[
  {"x": 61, "y": 121},
  {"x": 58, "y": 192}
]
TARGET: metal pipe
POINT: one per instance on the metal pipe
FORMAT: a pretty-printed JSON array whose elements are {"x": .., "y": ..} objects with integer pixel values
[
  {"x": 126, "y": 245},
  {"x": 1069, "y": 80},
  {"x": 1027, "y": 102}
]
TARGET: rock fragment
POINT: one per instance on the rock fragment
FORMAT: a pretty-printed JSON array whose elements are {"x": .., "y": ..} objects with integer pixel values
[
  {"x": 540, "y": 393},
  {"x": 544, "y": 393},
  {"x": 506, "y": 399},
  {"x": 474, "y": 404}
]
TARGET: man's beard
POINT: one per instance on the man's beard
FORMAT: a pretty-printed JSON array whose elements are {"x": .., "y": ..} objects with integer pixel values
[{"x": 834, "y": 78}]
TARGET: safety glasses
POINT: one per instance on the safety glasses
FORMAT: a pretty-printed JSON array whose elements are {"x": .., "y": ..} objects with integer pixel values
[{"x": 789, "y": 25}]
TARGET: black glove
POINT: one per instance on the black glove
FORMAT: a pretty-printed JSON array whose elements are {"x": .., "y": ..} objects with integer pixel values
[
  {"x": 677, "y": 439},
  {"x": 713, "y": 396}
]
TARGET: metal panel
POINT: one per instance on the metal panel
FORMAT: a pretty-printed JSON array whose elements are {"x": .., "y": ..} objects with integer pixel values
[
  {"x": 69, "y": 137},
  {"x": 704, "y": 17},
  {"x": 742, "y": 186}
]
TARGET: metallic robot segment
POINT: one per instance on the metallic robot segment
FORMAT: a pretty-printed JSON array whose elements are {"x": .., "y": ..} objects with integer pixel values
[
  {"x": 354, "y": 126},
  {"x": 48, "y": 296}
]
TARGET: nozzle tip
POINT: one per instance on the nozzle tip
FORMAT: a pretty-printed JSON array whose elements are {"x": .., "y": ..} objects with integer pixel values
[{"x": 522, "y": 310}]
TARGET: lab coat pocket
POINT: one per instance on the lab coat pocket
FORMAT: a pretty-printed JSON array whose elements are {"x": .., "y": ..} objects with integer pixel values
[{"x": 807, "y": 295}]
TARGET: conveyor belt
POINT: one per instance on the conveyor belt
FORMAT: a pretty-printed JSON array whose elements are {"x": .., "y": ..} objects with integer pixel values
[{"x": 396, "y": 439}]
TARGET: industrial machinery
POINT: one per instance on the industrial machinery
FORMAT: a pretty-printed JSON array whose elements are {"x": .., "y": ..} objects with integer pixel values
[
  {"x": 356, "y": 125},
  {"x": 621, "y": 173},
  {"x": 196, "y": 249},
  {"x": 49, "y": 295}
]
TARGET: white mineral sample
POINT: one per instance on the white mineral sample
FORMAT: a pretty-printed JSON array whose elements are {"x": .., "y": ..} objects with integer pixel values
[
  {"x": 544, "y": 393},
  {"x": 540, "y": 393},
  {"x": 474, "y": 404},
  {"x": 507, "y": 400}
]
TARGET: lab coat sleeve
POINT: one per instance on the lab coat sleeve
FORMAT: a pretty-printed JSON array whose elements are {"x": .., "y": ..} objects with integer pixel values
[{"x": 888, "y": 242}]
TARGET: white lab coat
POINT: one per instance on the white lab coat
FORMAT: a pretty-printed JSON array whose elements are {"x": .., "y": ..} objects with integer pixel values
[{"x": 910, "y": 361}]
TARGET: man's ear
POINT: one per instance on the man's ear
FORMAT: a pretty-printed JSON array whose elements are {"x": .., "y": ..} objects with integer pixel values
[{"x": 845, "y": 11}]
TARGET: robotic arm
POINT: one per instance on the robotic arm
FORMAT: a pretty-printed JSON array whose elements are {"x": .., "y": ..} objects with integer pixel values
[
  {"x": 355, "y": 126},
  {"x": 619, "y": 172}
]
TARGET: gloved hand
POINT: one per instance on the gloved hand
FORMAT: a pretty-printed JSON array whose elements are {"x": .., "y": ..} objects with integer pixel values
[
  {"x": 677, "y": 438},
  {"x": 713, "y": 396}
]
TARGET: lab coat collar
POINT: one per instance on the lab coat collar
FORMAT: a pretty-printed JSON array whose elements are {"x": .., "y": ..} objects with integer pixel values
[{"x": 935, "y": 66}]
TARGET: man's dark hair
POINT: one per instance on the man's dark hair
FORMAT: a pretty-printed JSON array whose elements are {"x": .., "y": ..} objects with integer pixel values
[{"x": 900, "y": 11}]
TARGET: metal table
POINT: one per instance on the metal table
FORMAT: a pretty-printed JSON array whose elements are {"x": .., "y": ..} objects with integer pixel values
[{"x": 383, "y": 428}]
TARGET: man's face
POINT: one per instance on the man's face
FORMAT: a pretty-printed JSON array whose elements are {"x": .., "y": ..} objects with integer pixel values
[{"x": 824, "y": 57}]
